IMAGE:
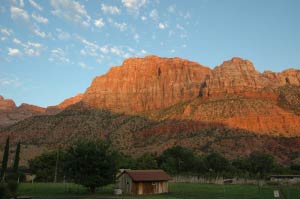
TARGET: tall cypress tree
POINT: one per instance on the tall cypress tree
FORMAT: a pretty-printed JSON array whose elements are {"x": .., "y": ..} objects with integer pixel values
[
  {"x": 5, "y": 159},
  {"x": 17, "y": 158}
]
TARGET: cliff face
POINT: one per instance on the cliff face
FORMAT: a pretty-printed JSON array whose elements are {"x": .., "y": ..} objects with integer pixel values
[
  {"x": 6, "y": 104},
  {"x": 239, "y": 77},
  {"x": 143, "y": 84},
  {"x": 234, "y": 93}
]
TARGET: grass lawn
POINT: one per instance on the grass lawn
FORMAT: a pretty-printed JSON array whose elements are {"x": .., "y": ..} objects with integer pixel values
[{"x": 177, "y": 191}]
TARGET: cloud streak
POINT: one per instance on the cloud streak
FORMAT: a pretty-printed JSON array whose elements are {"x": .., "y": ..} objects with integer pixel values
[
  {"x": 71, "y": 11},
  {"x": 35, "y": 5},
  {"x": 39, "y": 18},
  {"x": 107, "y": 9},
  {"x": 19, "y": 14}
]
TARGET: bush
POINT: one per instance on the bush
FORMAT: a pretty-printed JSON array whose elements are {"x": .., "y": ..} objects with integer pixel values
[
  {"x": 12, "y": 187},
  {"x": 3, "y": 191}
]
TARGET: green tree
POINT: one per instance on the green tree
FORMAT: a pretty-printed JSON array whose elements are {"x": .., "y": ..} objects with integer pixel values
[
  {"x": 90, "y": 163},
  {"x": 5, "y": 159},
  {"x": 217, "y": 163},
  {"x": 124, "y": 161},
  {"x": 261, "y": 163},
  {"x": 43, "y": 166},
  {"x": 17, "y": 158},
  {"x": 147, "y": 161},
  {"x": 177, "y": 160},
  {"x": 200, "y": 165}
]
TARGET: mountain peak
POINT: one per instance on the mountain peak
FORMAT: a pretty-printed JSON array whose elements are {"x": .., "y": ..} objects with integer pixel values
[
  {"x": 6, "y": 104},
  {"x": 143, "y": 84},
  {"x": 237, "y": 64}
]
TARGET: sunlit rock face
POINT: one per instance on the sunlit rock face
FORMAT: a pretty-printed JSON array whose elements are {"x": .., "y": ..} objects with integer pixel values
[{"x": 143, "y": 84}]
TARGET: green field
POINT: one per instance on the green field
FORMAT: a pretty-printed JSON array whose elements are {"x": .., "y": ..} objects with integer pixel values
[{"x": 177, "y": 191}]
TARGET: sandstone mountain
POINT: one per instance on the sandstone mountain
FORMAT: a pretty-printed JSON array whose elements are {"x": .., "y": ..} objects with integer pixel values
[
  {"x": 152, "y": 103},
  {"x": 234, "y": 93},
  {"x": 10, "y": 113},
  {"x": 144, "y": 84}
]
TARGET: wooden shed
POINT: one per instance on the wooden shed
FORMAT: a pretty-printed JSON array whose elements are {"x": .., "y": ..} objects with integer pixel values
[{"x": 139, "y": 182}]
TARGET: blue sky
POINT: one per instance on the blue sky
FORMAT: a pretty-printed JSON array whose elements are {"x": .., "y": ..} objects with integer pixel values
[{"x": 51, "y": 50}]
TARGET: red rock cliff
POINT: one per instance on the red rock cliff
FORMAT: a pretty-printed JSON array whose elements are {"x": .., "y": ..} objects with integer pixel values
[
  {"x": 239, "y": 77},
  {"x": 149, "y": 83},
  {"x": 6, "y": 104}
]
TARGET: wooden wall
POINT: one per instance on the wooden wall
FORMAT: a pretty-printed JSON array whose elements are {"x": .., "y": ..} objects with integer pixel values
[{"x": 139, "y": 188}]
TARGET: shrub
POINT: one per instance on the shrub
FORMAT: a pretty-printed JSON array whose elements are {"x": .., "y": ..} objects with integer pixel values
[
  {"x": 3, "y": 191},
  {"x": 12, "y": 187}
]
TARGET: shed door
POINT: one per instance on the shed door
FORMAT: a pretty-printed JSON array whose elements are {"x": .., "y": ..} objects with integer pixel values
[{"x": 127, "y": 184}]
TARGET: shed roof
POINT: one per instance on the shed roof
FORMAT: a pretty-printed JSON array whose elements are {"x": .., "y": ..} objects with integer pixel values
[{"x": 148, "y": 175}]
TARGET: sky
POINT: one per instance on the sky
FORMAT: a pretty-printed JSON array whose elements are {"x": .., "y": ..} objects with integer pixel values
[{"x": 51, "y": 50}]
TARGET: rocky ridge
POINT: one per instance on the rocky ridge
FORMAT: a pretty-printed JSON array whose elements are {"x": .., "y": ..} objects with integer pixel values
[{"x": 10, "y": 113}]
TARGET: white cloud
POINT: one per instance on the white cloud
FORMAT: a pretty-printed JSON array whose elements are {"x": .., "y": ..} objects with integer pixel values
[
  {"x": 136, "y": 37},
  {"x": 22, "y": 3},
  {"x": 178, "y": 26},
  {"x": 99, "y": 23},
  {"x": 6, "y": 31},
  {"x": 36, "y": 45},
  {"x": 33, "y": 49},
  {"x": 121, "y": 26},
  {"x": 143, "y": 18},
  {"x": 35, "y": 5},
  {"x": 134, "y": 5},
  {"x": 171, "y": 8},
  {"x": 186, "y": 15},
  {"x": 71, "y": 11},
  {"x": 106, "y": 9},
  {"x": 58, "y": 56},
  {"x": 14, "y": 52},
  {"x": 62, "y": 35},
  {"x": 117, "y": 51},
  {"x": 39, "y": 33},
  {"x": 154, "y": 15},
  {"x": 9, "y": 80},
  {"x": 90, "y": 48},
  {"x": 16, "y": 41},
  {"x": 39, "y": 18},
  {"x": 30, "y": 48},
  {"x": 86, "y": 42},
  {"x": 19, "y": 14},
  {"x": 162, "y": 26},
  {"x": 3, "y": 38},
  {"x": 84, "y": 66},
  {"x": 104, "y": 49}
]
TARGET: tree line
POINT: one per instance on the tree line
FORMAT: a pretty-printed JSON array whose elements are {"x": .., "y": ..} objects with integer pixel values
[
  {"x": 93, "y": 163},
  {"x": 56, "y": 165}
]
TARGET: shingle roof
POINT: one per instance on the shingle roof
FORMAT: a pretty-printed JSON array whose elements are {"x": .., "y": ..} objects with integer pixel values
[{"x": 148, "y": 175}]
